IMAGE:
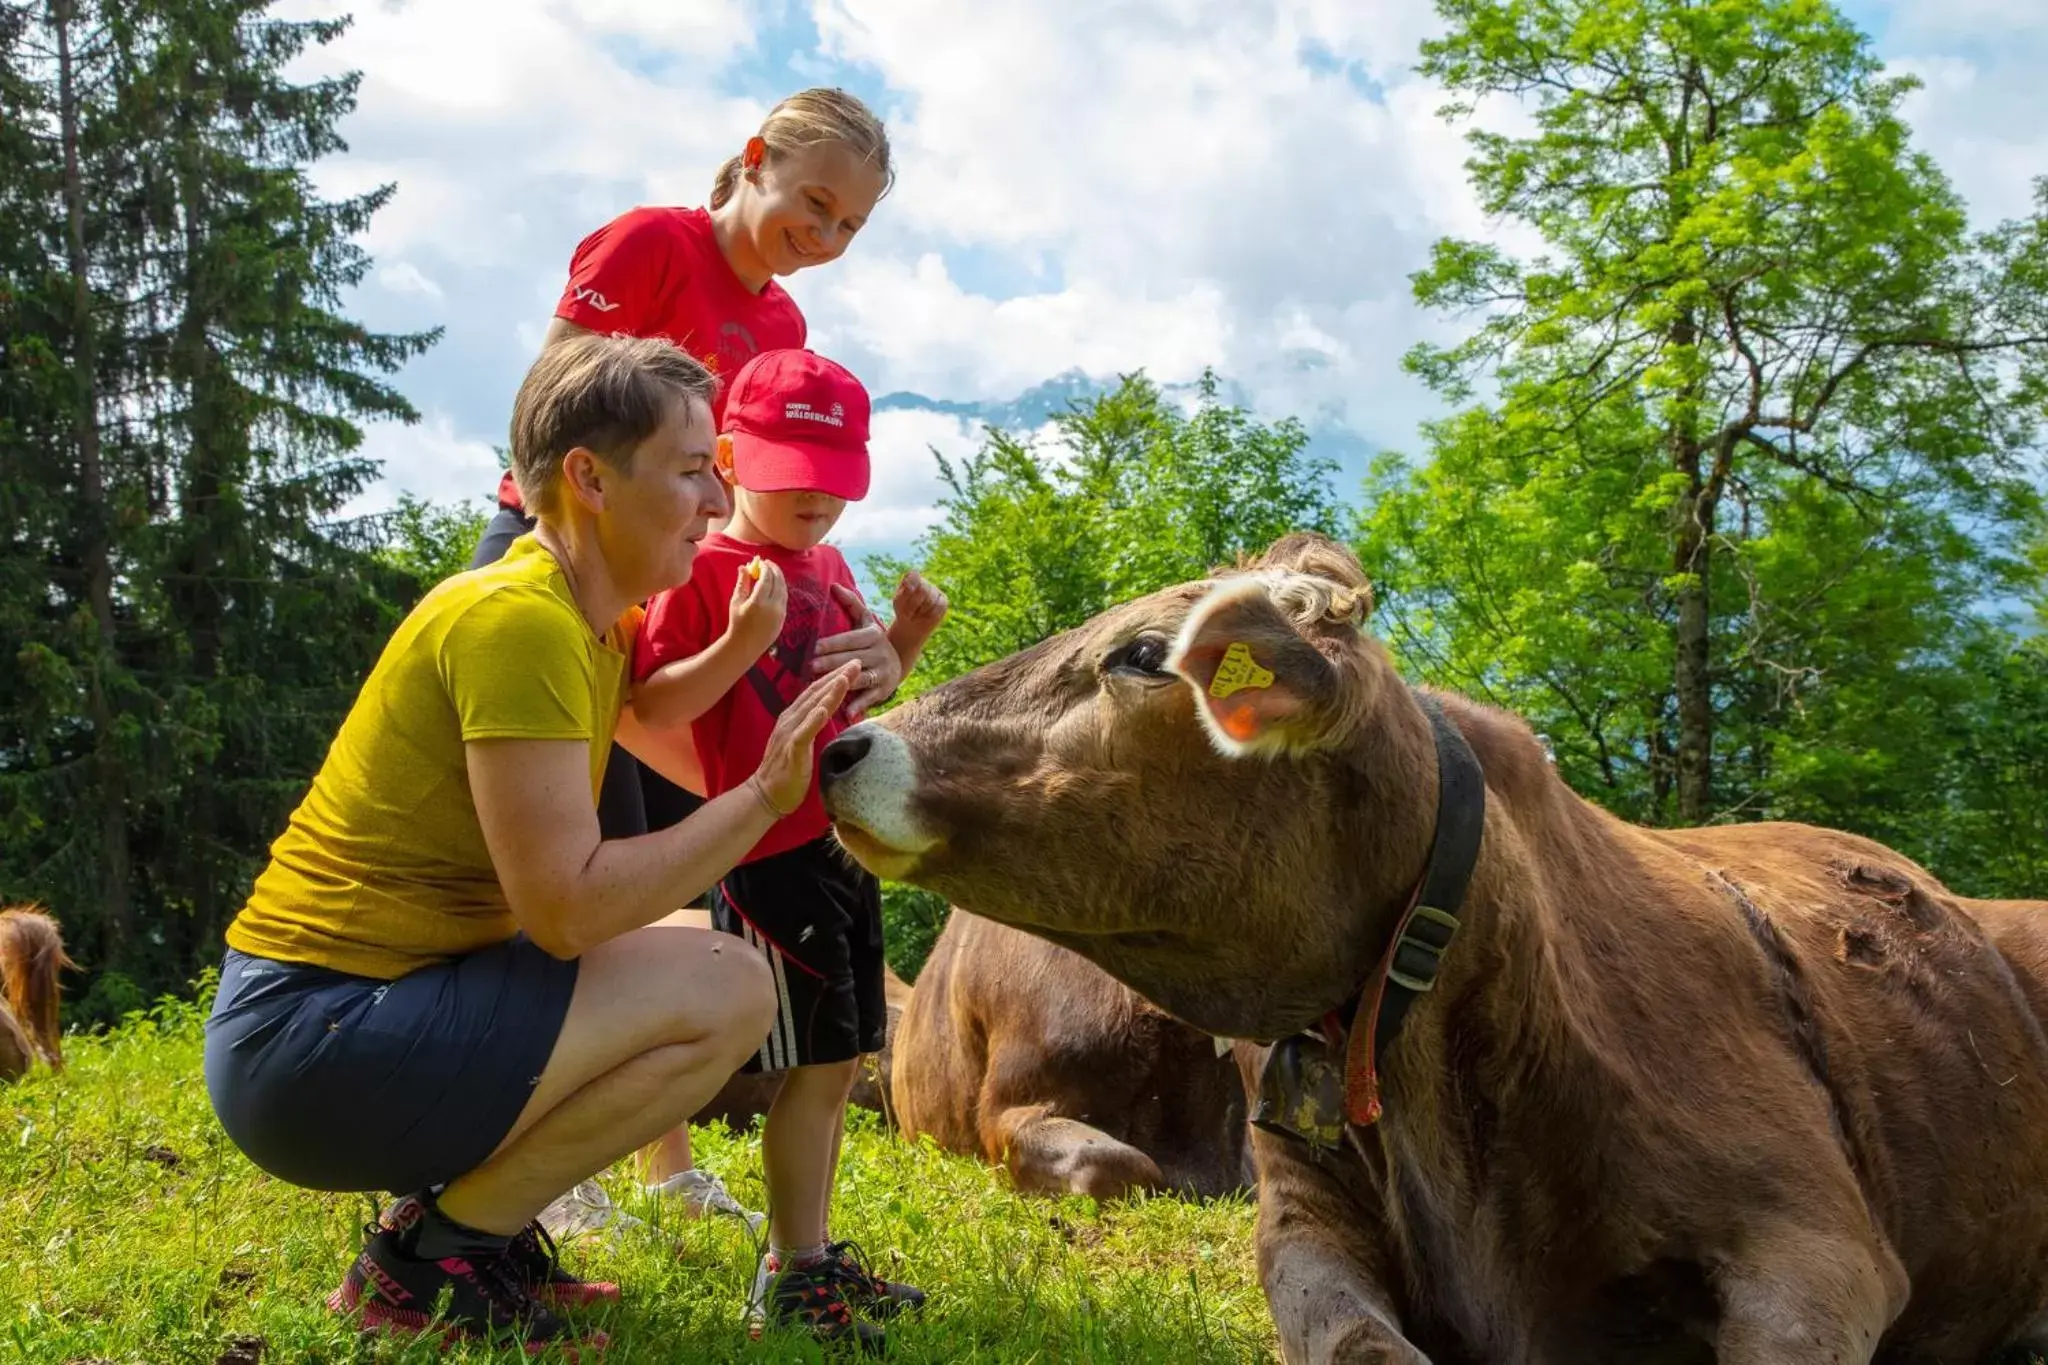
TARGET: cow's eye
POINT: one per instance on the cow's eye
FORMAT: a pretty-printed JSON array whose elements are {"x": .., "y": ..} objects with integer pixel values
[{"x": 1145, "y": 656}]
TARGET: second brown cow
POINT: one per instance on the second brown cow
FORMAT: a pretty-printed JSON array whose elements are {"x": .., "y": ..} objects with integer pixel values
[{"x": 1037, "y": 1060}]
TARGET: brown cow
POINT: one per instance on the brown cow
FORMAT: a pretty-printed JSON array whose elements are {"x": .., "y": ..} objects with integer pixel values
[
  {"x": 1751, "y": 1094},
  {"x": 31, "y": 956},
  {"x": 1032, "y": 1058}
]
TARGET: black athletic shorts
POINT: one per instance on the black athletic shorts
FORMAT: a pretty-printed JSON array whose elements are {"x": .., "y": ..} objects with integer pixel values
[
  {"x": 331, "y": 1081},
  {"x": 817, "y": 917}
]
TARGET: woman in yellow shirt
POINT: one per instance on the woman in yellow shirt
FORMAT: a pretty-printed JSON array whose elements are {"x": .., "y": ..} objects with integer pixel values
[{"x": 446, "y": 983}]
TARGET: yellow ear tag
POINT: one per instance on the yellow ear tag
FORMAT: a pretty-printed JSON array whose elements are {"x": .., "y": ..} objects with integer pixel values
[{"x": 1239, "y": 672}]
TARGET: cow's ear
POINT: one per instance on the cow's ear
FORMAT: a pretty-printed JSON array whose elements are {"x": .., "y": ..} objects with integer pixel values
[{"x": 1259, "y": 686}]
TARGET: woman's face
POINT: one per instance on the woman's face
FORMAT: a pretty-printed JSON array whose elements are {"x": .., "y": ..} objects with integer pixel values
[
  {"x": 806, "y": 206},
  {"x": 654, "y": 515}
]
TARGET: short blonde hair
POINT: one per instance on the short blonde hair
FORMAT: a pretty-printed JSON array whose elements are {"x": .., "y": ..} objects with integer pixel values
[
  {"x": 606, "y": 394},
  {"x": 807, "y": 118}
]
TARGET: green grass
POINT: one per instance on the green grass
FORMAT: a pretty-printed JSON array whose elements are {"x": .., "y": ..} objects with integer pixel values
[{"x": 133, "y": 1232}]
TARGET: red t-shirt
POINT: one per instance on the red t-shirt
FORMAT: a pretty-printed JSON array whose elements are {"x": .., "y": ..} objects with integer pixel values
[
  {"x": 658, "y": 272},
  {"x": 733, "y": 735}
]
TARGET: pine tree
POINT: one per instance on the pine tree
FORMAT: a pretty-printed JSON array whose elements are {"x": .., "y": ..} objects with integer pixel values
[
  {"x": 215, "y": 399},
  {"x": 69, "y": 269}
]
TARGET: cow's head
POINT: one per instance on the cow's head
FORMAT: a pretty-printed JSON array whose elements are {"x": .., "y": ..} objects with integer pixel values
[{"x": 1217, "y": 793}]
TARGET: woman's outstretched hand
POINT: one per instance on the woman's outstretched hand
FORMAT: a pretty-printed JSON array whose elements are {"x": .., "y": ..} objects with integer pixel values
[{"x": 784, "y": 777}]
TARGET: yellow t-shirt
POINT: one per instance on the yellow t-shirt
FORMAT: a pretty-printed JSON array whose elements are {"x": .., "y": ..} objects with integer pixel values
[{"x": 383, "y": 868}]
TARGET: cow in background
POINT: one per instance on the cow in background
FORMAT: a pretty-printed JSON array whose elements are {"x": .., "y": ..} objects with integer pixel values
[
  {"x": 1036, "y": 1060},
  {"x": 31, "y": 956}
]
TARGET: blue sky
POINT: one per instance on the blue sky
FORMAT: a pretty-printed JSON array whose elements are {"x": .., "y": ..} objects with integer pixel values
[{"x": 1239, "y": 183}]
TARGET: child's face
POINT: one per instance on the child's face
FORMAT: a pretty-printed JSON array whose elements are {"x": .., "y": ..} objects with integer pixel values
[
  {"x": 794, "y": 520},
  {"x": 805, "y": 207}
]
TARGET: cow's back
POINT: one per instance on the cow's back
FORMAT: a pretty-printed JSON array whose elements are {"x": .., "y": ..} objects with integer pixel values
[
  {"x": 1001, "y": 1018},
  {"x": 1926, "y": 1017},
  {"x": 2020, "y": 929}
]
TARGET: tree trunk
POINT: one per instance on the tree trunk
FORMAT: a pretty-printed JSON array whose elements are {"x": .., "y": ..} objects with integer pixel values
[
  {"x": 98, "y": 518},
  {"x": 198, "y": 598},
  {"x": 1692, "y": 545},
  {"x": 1690, "y": 671},
  {"x": 1658, "y": 743}
]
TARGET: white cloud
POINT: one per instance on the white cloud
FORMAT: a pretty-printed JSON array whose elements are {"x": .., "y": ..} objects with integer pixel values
[
  {"x": 903, "y": 494},
  {"x": 911, "y": 322},
  {"x": 1242, "y": 185},
  {"x": 1983, "y": 126},
  {"x": 494, "y": 116},
  {"x": 1186, "y": 169},
  {"x": 403, "y": 277},
  {"x": 428, "y": 459}
]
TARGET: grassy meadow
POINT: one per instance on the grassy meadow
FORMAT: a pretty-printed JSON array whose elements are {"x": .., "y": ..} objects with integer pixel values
[{"x": 133, "y": 1233}]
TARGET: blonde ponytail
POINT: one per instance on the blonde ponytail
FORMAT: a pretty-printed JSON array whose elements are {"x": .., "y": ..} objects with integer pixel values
[
  {"x": 820, "y": 114},
  {"x": 728, "y": 180}
]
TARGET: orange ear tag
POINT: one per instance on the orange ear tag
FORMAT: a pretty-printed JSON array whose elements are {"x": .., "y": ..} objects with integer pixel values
[
  {"x": 1241, "y": 723},
  {"x": 1238, "y": 672}
]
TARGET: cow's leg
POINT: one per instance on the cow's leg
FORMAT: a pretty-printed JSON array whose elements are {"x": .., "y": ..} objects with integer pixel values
[
  {"x": 1324, "y": 1271},
  {"x": 1806, "y": 1296},
  {"x": 1061, "y": 1156}
]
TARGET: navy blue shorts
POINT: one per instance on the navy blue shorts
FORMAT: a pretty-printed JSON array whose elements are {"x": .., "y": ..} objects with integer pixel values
[{"x": 336, "y": 1082}]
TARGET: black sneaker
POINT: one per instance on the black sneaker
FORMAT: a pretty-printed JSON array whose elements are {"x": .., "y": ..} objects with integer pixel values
[
  {"x": 533, "y": 1255},
  {"x": 392, "y": 1291},
  {"x": 866, "y": 1290},
  {"x": 539, "y": 1266},
  {"x": 813, "y": 1299}
]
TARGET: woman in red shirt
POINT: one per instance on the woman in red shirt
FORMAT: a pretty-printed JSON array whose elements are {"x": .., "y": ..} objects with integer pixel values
[{"x": 704, "y": 279}]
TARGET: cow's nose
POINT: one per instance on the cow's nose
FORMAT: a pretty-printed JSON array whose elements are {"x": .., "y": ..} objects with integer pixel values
[{"x": 841, "y": 757}]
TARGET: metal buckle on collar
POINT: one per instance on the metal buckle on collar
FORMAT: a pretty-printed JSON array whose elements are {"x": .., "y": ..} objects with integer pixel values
[{"x": 1419, "y": 952}]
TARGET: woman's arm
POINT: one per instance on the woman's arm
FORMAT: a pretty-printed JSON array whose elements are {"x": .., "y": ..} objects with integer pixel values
[
  {"x": 569, "y": 887},
  {"x": 560, "y": 329}
]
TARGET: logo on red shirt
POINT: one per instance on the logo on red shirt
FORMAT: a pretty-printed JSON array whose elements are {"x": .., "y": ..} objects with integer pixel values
[
  {"x": 779, "y": 676},
  {"x": 736, "y": 345},
  {"x": 585, "y": 294}
]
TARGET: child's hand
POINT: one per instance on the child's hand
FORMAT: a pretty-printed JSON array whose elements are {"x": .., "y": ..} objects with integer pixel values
[
  {"x": 784, "y": 778},
  {"x": 758, "y": 605},
  {"x": 919, "y": 608}
]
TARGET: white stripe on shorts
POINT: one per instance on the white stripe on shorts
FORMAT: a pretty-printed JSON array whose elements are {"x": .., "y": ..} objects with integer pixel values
[{"x": 778, "y": 1050}]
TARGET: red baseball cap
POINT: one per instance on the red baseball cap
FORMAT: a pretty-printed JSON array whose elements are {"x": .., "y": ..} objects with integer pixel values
[{"x": 798, "y": 421}]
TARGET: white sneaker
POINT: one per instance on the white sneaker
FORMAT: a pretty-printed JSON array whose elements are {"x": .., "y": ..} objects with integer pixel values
[
  {"x": 766, "y": 1268},
  {"x": 703, "y": 1194},
  {"x": 587, "y": 1208}
]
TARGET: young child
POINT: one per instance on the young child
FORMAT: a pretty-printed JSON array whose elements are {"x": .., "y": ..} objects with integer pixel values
[{"x": 723, "y": 654}]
